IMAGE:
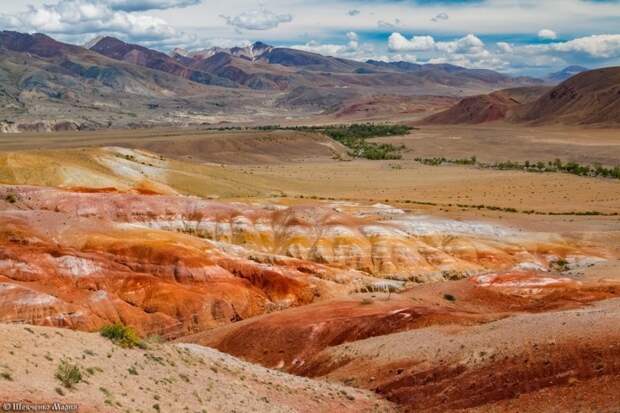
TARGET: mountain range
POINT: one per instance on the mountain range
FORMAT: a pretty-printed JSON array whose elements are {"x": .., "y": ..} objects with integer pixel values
[{"x": 49, "y": 85}]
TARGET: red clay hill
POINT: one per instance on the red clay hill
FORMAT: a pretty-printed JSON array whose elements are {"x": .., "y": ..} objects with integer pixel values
[{"x": 589, "y": 98}]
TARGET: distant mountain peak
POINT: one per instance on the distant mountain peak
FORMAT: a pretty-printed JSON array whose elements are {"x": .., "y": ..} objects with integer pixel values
[
  {"x": 180, "y": 51},
  {"x": 260, "y": 45},
  {"x": 93, "y": 42},
  {"x": 567, "y": 73}
]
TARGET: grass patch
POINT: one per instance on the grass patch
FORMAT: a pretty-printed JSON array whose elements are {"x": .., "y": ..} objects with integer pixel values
[
  {"x": 121, "y": 335},
  {"x": 68, "y": 374}
]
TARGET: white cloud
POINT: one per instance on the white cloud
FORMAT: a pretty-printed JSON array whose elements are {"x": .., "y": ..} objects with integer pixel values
[
  {"x": 504, "y": 47},
  {"x": 399, "y": 43},
  {"x": 598, "y": 46},
  {"x": 353, "y": 49},
  {"x": 81, "y": 19},
  {"x": 332, "y": 49},
  {"x": 261, "y": 19},
  {"x": 547, "y": 34},
  {"x": 469, "y": 44},
  {"x": 353, "y": 40},
  {"x": 467, "y": 51}
]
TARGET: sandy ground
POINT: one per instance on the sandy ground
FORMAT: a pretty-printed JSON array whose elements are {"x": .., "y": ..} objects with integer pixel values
[
  {"x": 506, "y": 142},
  {"x": 489, "y": 142},
  {"x": 165, "y": 377}
]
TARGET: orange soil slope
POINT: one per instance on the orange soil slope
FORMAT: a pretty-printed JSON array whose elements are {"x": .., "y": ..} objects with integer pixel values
[
  {"x": 292, "y": 339},
  {"x": 83, "y": 259},
  {"x": 378, "y": 240},
  {"x": 501, "y": 336}
]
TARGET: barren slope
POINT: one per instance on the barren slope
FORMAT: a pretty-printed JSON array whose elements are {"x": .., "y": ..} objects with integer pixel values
[
  {"x": 556, "y": 361},
  {"x": 165, "y": 377},
  {"x": 589, "y": 98},
  {"x": 486, "y": 108},
  {"x": 484, "y": 343}
]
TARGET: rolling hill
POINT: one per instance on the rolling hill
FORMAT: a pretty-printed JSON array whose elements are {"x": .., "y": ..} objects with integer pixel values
[
  {"x": 588, "y": 98},
  {"x": 487, "y": 108}
]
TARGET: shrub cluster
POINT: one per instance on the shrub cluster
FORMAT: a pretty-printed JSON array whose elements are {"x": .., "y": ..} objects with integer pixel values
[
  {"x": 439, "y": 161},
  {"x": 557, "y": 165},
  {"x": 121, "y": 335},
  {"x": 355, "y": 138}
]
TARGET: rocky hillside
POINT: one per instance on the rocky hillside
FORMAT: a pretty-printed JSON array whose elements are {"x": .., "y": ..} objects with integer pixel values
[
  {"x": 487, "y": 334},
  {"x": 142, "y": 56},
  {"x": 47, "y": 85}
]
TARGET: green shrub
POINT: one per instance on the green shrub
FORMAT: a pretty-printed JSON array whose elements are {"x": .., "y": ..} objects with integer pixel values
[
  {"x": 121, "y": 335},
  {"x": 355, "y": 138},
  {"x": 68, "y": 374},
  {"x": 551, "y": 166}
]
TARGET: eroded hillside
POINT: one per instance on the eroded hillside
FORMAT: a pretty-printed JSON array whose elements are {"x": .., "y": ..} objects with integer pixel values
[{"x": 405, "y": 302}]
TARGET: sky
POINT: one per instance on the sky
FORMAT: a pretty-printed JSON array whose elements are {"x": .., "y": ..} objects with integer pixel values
[{"x": 520, "y": 37}]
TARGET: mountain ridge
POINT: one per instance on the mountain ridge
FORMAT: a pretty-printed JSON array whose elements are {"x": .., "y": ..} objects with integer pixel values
[
  {"x": 588, "y": 98},
  {"x": 113, "y": 83}
]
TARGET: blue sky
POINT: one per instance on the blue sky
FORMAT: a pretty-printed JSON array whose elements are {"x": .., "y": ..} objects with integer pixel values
[{"x": 514, "y": 36}]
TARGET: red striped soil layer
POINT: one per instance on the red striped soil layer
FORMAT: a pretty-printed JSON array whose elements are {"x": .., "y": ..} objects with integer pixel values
[
  {"x": 427, "y": 353},
  {"x": 496, "y": 364}
]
